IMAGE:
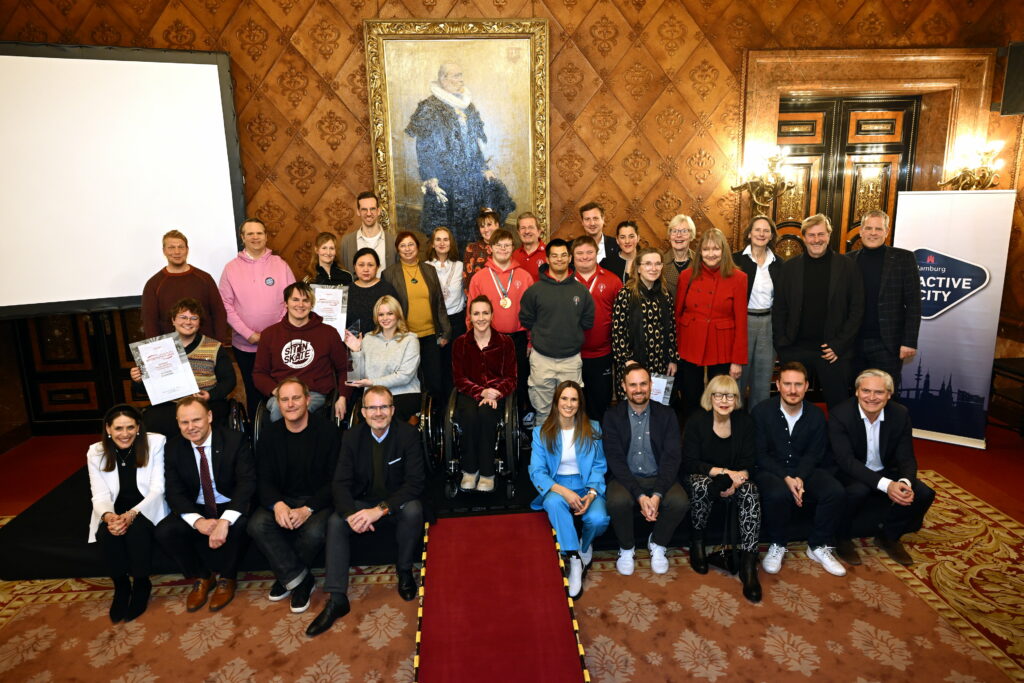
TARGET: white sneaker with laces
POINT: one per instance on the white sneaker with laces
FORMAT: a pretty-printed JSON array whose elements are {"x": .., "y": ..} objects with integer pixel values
[
  {"x": 659, "y": 563},
  {"x": 772, "y": 562},
  {"x": 823, "y": 556},
  {"x": 625, "y": 563},
  {"x": 587, "y": 556},
  {"x": 575, "y": 576}
]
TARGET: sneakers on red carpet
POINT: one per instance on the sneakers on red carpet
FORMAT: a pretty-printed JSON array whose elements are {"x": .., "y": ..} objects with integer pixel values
[
  {"x": 659, "y": 562},
  {"x": 823, "y": 556},
  {"x": 625, "y": 564},
  {"x": 772, "y": 562}
]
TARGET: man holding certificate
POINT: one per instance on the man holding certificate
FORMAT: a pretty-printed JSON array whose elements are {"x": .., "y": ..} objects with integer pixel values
[{"x": 302, "y": 346}]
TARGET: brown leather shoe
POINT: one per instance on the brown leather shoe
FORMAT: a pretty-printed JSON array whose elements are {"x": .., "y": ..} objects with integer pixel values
[
  {"x": 847, "y": 552},
  {"x": 895, "y": 550},
  {"x": 222, "y": 594},
  {"x": 200, "y": 591}
]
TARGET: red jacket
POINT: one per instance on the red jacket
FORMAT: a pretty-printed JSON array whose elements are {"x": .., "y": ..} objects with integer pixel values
[
  {"x": 531, "y": 262},
  {"x": 314, "y": 353},
  {"x": 711, "y": 317},
  {"x": 492, "y": 367},
  {"x": 504, "y": 320},
  {"x": 604, "y": 285}
]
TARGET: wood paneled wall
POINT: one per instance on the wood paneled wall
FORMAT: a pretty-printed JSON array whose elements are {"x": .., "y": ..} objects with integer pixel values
[{"x": 646, "y": 101}]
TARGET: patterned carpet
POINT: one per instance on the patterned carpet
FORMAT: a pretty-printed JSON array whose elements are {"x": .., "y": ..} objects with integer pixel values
[{"x": 957, "y": 615}]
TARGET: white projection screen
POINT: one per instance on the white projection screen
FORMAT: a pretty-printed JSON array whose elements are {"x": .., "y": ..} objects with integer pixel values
[{"x": 103, "y": 151}]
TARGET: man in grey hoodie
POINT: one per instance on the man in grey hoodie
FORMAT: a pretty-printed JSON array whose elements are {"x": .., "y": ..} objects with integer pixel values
[{"x": 557, "y": 309}]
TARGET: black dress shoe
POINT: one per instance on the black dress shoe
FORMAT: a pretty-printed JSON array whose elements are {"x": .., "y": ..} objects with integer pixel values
[
  {"x": 698, "y": 556},
  {"x": 141, "y": 589},
  {"x": 748, "y": 576},
  {"x": 406, "y": 584},
  {"x": 122, "y": 598},
  {"x": 847, "y": 552},
  {"x": 895, "y": 550},
  {"x": 337, "y": 606}
]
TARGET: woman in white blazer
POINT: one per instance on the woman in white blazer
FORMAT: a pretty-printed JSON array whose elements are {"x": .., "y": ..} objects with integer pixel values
[{"x": 126, "y": 475}]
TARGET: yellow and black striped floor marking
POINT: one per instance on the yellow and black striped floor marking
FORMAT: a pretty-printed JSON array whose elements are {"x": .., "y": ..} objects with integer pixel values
[
  {"x": 572, "y": 608},
  {"x": 419, "y": 609}
]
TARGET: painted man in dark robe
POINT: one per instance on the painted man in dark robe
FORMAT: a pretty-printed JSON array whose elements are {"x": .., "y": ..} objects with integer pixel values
[{"x": 454, "y": 168}]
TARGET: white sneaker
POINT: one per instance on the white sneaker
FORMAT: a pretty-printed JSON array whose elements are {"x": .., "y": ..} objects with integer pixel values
[
  {"x": 625, "y": 563},
  {"x": 529, "y": 419},
  {"x": 823, "y": 556},
  {"x": 469, "y": 480},
  {"x": 575, "y": 577},
  {"x": 772, "y": 562},
  {"x": 587, "y": 556},
  {"x": 659, "y": 563}
]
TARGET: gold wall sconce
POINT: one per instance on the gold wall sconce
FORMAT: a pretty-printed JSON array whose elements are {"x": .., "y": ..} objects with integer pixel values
[
  {"x": 982, "y": 174},
  {"x": 765, "y": 182}
]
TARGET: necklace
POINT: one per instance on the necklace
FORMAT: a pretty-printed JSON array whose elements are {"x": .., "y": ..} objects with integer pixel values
[
  {"x": 128, "y": 454},
  {"x": 411, "y": 273}
]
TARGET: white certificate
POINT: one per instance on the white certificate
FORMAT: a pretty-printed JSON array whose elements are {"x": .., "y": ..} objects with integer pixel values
[
  {"x": 166, "y": 372},
  {"x": 661, "y": 388},
  {"x": 332, "y": 305}
]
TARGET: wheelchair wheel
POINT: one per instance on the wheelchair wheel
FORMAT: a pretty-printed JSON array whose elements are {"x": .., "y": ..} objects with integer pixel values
[
  {"x": 260, "y": 421},
  {"x": 451, "y": 489},
  {"x": 511, "y": 427},
  {"x": 449, "y": 452},
  {"x": 237, "y": 419},
  {"x": 355, "y": 413},
  {"x": 510, "y": 490},
  {"x": 426, "y": 428}
]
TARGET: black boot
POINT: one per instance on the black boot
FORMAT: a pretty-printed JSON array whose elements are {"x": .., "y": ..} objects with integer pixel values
[
  {"x": 698, "y": 558},
  {"x": 141, "y": 588},
  {"x": 748, "y": 575},
  {"x": 122, "y": 596}
]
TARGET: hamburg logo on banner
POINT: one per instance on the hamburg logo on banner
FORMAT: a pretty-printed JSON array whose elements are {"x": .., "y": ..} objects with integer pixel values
[{"x": 946, "y": 281}]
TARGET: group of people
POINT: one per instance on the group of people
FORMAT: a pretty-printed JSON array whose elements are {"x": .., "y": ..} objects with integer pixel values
[{"x": 567, "y": 327}]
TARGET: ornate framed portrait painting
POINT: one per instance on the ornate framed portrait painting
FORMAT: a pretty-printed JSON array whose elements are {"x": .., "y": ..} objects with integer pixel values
[{"x": 458, "y": 121}]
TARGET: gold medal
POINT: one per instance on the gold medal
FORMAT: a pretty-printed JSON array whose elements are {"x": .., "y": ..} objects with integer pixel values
[{"x": 505, "y": 302}]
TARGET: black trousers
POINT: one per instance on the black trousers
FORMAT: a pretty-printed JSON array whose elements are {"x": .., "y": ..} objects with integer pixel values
[
  {"x": 597, "y": 385},
  {"x": 479, "y": 425},
  {"x": 521, "y": 343},
  {"x": 671, "y": 510},
  {"x": 131, "y": 553},
  {"x": 834, "y": 378},
  {"x": 901, "y": 519},
  {"x": 192, "y": 551},
  {"x": 821, "y": 489},
  {"x": 458, "y": 323},
  {"x": 408, "y": 522},
  {"x": 430, "y": 367},
  {"x": 246, "y": 362},
  {"x": 873, "y": 354},
  {"x": 690, "y": 380}
]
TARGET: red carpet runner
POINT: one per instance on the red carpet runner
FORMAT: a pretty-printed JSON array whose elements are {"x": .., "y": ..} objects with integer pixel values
[{"x": 494, "y": 605}]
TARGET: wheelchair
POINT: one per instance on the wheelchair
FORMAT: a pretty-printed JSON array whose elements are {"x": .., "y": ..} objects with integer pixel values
[
  {"x": 428, "y": 424},
  {"x": 506, "y": 448},
  {"x": 261, "y": 420}
]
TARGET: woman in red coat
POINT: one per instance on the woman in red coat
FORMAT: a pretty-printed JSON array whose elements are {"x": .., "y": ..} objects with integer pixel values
[{"x": 711, "y": 318}]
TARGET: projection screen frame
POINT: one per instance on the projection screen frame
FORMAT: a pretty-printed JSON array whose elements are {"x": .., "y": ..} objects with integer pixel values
[{"x": 132, "y": 54}]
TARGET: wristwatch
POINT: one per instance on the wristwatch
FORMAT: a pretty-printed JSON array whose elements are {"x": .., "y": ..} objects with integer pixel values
[{"x": 384, "y": 507}]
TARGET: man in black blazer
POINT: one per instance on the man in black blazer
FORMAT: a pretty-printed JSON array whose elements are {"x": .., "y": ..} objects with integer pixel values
[
  {"x": 210, "y": 480},
  {"x": 641, "y": 444},
  {"x": 892, "y": 299},
  {"x": 818, "y": 309},
  {"x": 873, "y": 446},
  {"x": 379, "y": 480},
  {"x": 592, "y": 218}
]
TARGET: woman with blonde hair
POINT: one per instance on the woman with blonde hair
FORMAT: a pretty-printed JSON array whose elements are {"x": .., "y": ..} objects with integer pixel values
[
  {"x": 719, "y": 449},
  {"x": 389, "y": 357},
  {"x": 643, "y": 327},
  {"x": 324, "y": 268},
  {"x": 711, "y": 317},
  {"x": 679, "y": 255}
]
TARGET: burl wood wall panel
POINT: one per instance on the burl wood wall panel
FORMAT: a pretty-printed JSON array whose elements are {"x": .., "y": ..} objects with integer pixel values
[{"x": 646, "y": 94}]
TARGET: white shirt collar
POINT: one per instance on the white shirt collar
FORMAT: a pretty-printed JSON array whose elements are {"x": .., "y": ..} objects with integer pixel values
[
  {"x": 769, "y": 254},
  {"x": 863, "y": 415}
]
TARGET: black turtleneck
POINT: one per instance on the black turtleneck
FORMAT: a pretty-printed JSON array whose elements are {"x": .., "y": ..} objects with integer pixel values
[
  {"x": 817, "y": 273},
  {"x": 128, "y": 495},
  {"x": 870, "y": 263}
]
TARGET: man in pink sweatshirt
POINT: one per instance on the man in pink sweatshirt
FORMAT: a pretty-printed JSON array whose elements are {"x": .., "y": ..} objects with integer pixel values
[{"x": 252, "y": 287}]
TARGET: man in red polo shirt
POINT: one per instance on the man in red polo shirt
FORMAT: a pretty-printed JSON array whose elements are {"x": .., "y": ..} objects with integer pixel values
[
  {"x": 531, "y": 253},
  {"x": 597, "y": 341}
]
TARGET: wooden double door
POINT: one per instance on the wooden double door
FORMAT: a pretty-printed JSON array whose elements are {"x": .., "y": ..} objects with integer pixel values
[{"x": 846, "y": 156}]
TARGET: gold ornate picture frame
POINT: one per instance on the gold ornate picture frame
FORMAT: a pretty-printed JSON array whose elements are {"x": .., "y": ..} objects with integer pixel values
[{"x": 459, "y": 118}]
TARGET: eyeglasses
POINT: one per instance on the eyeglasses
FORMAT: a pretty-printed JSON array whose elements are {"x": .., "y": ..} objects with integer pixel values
[
  {"x": 728, "y": 398},
  {"x": 377, "y": 409},
  {"x": 679, "y": 232},
  {"x": 187, "y": 318}
]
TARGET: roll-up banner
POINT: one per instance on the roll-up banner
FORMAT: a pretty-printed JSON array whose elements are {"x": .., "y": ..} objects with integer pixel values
[{"x": 961, "y": 241}]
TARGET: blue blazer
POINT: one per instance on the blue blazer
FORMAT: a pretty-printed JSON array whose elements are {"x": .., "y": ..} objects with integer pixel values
[{"x": 544, "y": 463}]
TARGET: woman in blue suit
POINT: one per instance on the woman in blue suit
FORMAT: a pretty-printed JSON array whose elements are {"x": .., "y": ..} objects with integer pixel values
[{"x": 567, "y": 466}]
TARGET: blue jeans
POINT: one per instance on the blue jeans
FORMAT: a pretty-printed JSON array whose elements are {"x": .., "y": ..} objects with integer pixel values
[
  {"x": 316, "y": 402},
  {"x": 595, "y": 519}
]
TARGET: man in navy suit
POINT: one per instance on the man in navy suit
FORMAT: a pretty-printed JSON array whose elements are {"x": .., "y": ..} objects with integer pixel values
[
  {"x": 210, "y": 482},
  {"x": 378, "y": 481},
  {"x": 892, "y": 299},
  {"x": 873, "y": 447}
]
